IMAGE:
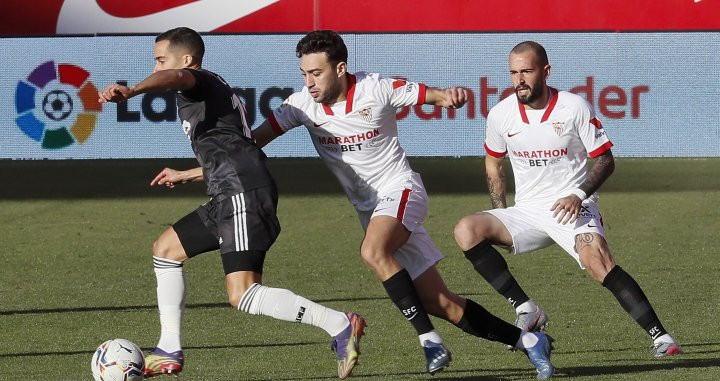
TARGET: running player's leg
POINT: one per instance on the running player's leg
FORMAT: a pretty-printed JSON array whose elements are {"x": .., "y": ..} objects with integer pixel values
[
  {"x": 384, "y": 236},
  {"x": 401, "y": 210},
  {"x": 477, "y": 233},
  {"x": 186, "y": 238},
  {"x": 419, "y": 256},
  {"x": 252, "y": 229}
]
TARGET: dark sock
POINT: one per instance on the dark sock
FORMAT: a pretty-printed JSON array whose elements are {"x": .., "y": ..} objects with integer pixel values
[
  {"x": 402, "y": 292},
  {"x": 477, "y": 321},
  {"x": 633, "y": 300},
  {"x": 493, "y": 267}
]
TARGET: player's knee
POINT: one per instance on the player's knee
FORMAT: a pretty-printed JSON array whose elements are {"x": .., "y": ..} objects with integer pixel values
[
  {"x": 234, "y": 298},
  {"x": 468, "y": 233},
  {"x": 160, "y": 249},
  {"x": 163, "y": 248},
  {"x": 597, "y": 266},
  {"x": 235, "y": 294},
  {"x": 371, "y": 256}
]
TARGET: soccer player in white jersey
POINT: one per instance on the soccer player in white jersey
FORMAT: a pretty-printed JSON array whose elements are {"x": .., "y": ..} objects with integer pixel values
[
  {"x": 548, "y": 135},
  {"x": 352, "y": 123}
]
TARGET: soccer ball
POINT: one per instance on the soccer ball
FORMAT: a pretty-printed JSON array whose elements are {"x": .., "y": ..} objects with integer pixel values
[
  {"x": 57, "y": 105},
  {"x": 118, "y": 360}
]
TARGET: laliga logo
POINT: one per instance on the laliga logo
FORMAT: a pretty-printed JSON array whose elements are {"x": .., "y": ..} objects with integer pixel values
[{"x": 57, "y": 106}]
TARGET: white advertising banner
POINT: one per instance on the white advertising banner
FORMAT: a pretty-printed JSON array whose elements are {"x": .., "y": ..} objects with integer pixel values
[{"x": 656, "y": 93}]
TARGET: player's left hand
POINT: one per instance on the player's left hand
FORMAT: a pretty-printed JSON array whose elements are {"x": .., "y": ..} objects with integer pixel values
[
  {"x": 567, "y": 209},
  {"x": 455, "y": 97},
  {"x": 115, "y": 93},
  {"x": 169, "y": 177}
]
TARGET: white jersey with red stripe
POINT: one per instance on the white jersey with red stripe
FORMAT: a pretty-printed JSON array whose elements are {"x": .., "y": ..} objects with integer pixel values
[
  {"x": 357, "y": 138},
  {"x": 548, "y": 148}
]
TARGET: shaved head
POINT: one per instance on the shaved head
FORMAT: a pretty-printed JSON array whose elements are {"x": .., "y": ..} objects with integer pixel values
[{"x": 533, "y": 47}]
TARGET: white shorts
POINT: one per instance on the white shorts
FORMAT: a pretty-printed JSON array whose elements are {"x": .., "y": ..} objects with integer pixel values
[
  {"x": 408, "y": 202},
  {"x": 533, "y": 228}
]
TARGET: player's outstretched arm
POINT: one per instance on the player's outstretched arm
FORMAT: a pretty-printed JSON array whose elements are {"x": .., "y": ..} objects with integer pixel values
[
  {"x": 496, "y": 181},
  {"x": 169, "y": 177},
  {"x": 164, "y": 80},
  {"x": 264, "y": 134},
  {"x": 452, "y": 97},
  {"x": 567, "y": 209}
]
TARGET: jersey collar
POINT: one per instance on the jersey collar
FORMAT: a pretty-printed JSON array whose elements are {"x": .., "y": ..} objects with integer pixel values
[
  {"x": 550, "y": 107},
  {"x": 352, "y": 80}
]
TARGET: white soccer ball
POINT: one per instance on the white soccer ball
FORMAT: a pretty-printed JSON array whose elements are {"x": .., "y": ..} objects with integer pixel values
[{"x": 118, "y": 360}]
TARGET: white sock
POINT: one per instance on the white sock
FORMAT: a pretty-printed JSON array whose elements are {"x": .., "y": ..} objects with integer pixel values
[
  {"x": 526, "y": 340},
  {"x": 528, "y": 306},
  {"x": 171, "y": 301},
  {"x": 432, "y": 336},
  {"x": 285, "y": 305},
  {"x": 666, "y": 338}
]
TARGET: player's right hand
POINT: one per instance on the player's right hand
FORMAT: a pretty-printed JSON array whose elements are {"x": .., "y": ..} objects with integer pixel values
[
  {"x": 567, "y": 209},
  {"x": 168, "y": 177},
  {"x": 115, "y": 93},
  {"x": 455, "y": 97}
]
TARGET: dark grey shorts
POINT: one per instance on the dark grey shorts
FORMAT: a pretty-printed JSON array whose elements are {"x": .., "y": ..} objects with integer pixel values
[{"x": 245, "y": 221}]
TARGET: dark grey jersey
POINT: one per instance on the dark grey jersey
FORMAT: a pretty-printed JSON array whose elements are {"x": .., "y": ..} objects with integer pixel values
[{"x": 213, "y": 118}]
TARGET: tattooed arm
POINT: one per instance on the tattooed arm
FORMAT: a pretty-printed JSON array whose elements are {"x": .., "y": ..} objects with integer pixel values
[
  {"x": 496, "y": 181},
  {"x": 567, "y": 209},
  {"x": 602, "y": 169}
]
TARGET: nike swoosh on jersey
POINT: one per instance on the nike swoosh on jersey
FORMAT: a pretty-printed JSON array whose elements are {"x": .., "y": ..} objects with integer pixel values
[
  {"x": 319, "y": 125},
  {"x": 511, "y": 135},
  {"x": 86, "y": 16}
]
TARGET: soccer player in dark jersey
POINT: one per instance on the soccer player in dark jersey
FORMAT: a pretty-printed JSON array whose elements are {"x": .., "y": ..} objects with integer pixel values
[{"x": 240, "y": 218}]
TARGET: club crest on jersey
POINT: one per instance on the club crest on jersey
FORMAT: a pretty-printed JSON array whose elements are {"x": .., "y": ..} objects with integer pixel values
[
  {"x": 366, "y": 114},
  {"x": 559, "y": 127}
]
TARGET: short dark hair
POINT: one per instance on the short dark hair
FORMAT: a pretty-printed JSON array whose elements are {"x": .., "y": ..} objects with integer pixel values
[
  {"x": 535, "y": 47},
  {"x": 323, "y": 41},
  {"x": 186, "y": 38}
]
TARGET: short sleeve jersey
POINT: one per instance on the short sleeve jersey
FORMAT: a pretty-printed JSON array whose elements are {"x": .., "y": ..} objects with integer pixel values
[
  {"x": 213, "y": 118},
  {"x": 548, "y": 148},
  {"x": 357, "y": 138}
]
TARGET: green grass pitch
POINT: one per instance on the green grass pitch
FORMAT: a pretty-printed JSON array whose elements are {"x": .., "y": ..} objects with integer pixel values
[{"x": 75, "y": 270}]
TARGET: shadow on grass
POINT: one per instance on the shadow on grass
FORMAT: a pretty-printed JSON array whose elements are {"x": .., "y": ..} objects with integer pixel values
[
  {"x": 661, "y": 364},
  {"x": 686, "y": 346},
  {"x": 154, "y": 306},
  {"x": 88, "y": 352},
  {"x": 40, "y": 311},
  {"x": 524, "y": 373},
  {"x": 447, "y": 375}
]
